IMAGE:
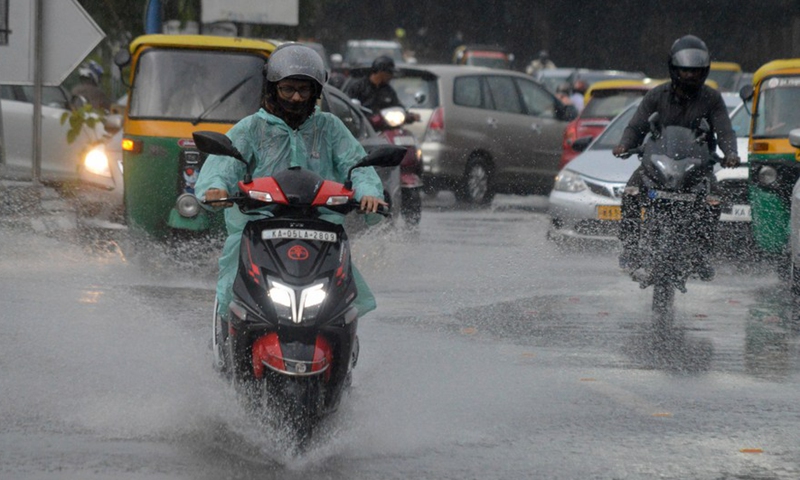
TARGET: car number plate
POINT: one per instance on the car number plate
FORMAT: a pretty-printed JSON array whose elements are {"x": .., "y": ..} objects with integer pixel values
[
  {"x": 298, "y": 234},
  {"x": 609, "y": 212}
]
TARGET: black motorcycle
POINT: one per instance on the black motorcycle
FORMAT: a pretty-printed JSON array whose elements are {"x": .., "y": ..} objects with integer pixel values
[
  {"x": 290, "y": 336},
  {"x": 678, "y": 180}
]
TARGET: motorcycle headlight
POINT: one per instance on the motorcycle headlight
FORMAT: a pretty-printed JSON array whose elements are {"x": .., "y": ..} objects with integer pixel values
[
  {"x": 287, "y": 305},
  {"x": 394, "y": 117},
  {"x": 569, "y": 181},
  {"x": 96, "y": 162}
]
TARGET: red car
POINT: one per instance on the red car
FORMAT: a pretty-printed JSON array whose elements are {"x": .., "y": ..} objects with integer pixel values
[{"x": 604, "y": 101}]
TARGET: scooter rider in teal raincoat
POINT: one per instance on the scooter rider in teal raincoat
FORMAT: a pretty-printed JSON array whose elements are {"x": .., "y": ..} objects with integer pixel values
[{"x": 288, "y": 131}]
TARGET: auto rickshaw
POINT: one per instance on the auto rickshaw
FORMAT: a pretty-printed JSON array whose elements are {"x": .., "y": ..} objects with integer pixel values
[
  {"x": 180, "y": 84},
  {"x": 725, "y": 74},
  {"x": 774, "y": 162}
]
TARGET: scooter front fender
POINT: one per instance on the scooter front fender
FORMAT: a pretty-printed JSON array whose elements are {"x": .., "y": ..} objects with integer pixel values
[{"x": 296, "y": 359}]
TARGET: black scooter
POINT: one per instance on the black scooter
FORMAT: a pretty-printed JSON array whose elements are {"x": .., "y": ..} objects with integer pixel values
[
  {"x": 290, "y": 337},
  {"x": 677, "y": 190}
]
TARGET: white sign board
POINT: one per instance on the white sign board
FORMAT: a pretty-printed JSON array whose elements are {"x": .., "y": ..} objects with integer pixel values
[
  {"x": 68, "y": 34},
  {"x": 269, "y": 12}
]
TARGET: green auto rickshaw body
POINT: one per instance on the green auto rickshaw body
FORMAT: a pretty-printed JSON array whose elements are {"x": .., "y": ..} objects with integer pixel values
[
  {"x": 773, "y": 162},
  {"x": 181, "y": 84}
]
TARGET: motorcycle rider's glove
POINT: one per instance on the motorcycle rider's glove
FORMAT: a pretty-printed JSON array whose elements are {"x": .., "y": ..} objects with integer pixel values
[{"x": 731, "y": 161}]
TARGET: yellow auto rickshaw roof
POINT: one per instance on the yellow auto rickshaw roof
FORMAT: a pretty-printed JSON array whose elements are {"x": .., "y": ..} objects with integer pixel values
[
  {"x": 791, "y": 65},
  {"x": 201, "y": 41},
  {"x": 728, "y": 66}
]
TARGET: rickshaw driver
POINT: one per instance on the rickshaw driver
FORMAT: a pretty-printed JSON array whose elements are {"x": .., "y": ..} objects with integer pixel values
[{"x": 288, "y": 131}]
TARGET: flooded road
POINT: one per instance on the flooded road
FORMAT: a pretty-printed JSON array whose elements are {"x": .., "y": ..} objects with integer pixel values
[{"x": 493, "y": 354}]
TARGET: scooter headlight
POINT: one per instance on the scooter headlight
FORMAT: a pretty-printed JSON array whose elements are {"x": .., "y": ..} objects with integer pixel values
[
  {"x": 394, "y": 116},
  {"x": 96, "y": 162},
  {"x": 569, "y": 181},
  {"x": 287, "y": 305}
]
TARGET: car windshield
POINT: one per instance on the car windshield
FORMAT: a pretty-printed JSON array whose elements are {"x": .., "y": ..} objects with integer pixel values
[
  {"x": 412, "y": 89},
  {"x": 726, "y": 79},
  {"x": 613, "y": 133},
  {"x": 777, "y": 111},
  {"x": 365, "y": 54},
  {"x": 488, "y": 59},
  {"x": 609, "y": 104},
  {"x": 185, "y": 85}
]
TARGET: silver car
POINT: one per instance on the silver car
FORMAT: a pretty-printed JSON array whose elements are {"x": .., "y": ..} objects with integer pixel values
[
  {"x": 483, "y": 131},
  {"x": 586, "y": 200}
]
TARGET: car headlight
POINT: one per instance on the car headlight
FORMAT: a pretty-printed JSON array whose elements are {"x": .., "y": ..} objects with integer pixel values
[
  {"x": 767, "y": 175},
  {"x": 569, "y": 181},
  {"x": 96, "y": 162},
  {"x": 287, "y": 305}
]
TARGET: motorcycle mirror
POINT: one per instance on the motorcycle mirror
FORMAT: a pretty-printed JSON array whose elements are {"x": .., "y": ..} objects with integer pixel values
[
  {"x": 794, "y": 137},
  {"x": 122, "y": 58},
  {"x": 215, "y": 143},
  {"x": 655, "y": 124},
  {"x": 420, "y": 98},
  {"x": 386, "y": 156},
  {"x": 746, "y": 93}
]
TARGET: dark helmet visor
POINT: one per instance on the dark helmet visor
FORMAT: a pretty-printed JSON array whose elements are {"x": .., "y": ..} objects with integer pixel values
[{"x": 691, "y": 58}]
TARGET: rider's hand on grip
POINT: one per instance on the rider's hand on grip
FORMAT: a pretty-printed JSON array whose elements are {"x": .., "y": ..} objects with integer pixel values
[
  {"x": 370, "y": 204},
  {"x": 214, "y": 195},
  {"x": 621, "y": 152},
  {"x": 731, "y": 161}
]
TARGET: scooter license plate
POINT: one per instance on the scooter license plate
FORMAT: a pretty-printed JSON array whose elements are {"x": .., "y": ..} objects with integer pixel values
[
  {"x": 298, "y": 234},
  {"x": 609, "y": 212}
]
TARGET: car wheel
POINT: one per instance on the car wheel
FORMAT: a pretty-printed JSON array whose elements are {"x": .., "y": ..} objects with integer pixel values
[{"x": 476, "y": 188}]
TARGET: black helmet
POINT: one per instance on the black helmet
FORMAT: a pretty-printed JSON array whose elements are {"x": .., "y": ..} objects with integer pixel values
[
  {"x": 297, "y": 61},
  {"x": 689, "y": 52},
  {"x": 384, "y": 63}
]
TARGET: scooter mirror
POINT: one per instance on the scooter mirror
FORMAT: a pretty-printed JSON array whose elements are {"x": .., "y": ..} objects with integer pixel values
[
  {"x": 215, "y": 143},
  {"x": 386, "y": 156}
]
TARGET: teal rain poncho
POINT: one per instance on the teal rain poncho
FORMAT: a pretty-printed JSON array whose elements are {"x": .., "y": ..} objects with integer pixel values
[{"x": 322, "y": 144}]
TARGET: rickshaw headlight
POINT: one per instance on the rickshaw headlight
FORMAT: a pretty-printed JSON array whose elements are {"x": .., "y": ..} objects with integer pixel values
[
  {"x": 96, "y": 162},
  {"x": 187, "y": 205},
  {"x": 767, "y": 175}
]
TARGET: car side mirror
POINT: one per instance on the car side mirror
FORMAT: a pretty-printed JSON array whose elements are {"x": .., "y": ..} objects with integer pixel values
[{"x": 581, "y": 144}]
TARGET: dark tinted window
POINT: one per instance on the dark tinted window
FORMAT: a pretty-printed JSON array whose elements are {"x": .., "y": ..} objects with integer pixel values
[
  {"x": 467, "y": 92},
  {"x": 409, "y": 87},
  {"x": 346, "y": 112},
  {"x": 538, "y": 102},
  {"x": 504, "y": 94}
]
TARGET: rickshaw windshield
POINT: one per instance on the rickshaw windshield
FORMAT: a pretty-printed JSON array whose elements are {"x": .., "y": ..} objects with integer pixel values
[
  {"x": 777, "y": 111},
  {"x": 211, "y": 86}
]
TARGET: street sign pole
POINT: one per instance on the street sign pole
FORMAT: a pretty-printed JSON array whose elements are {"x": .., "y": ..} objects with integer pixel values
[{"x": 37, "y": 91}]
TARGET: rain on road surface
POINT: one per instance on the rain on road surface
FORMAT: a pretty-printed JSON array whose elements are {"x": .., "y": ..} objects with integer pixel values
[{"x": 493, "y": 354}]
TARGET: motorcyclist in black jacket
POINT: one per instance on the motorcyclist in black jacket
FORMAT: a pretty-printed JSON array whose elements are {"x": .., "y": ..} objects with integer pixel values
[{"x": 684, "y": 101}]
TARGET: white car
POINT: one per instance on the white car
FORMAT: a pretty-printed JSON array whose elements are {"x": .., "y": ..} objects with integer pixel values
[
  {"x": 586, "y": 200},
  {"x": 60, "y": 159}
]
